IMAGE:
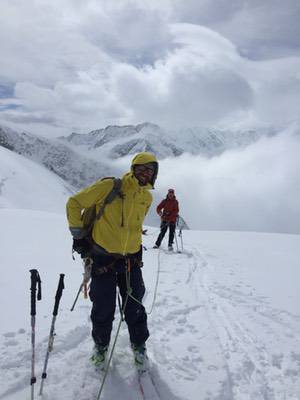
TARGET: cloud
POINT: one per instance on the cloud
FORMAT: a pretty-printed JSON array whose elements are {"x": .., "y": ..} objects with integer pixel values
[
  {"x": 260, "y": 29},
  {"x": 86, "y": 64},
  {"x": 197, "y": 84},
  {"x": 255, "y": 189},
  {"x": 130, "y": 31}
]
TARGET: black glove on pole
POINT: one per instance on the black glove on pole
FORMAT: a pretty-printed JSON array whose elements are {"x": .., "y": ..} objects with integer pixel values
[
  {"x": 35, "y": 280},
  {"x": 81, "y": 246},
  {"x": 58, "y": 295}
]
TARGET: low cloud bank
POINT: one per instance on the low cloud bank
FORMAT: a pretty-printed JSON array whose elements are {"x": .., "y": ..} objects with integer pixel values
[{"x": 254, "y": 189}]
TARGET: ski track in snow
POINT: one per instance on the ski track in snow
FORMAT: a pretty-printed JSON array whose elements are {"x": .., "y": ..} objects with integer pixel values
[
  {"x": 246, "y": 327},
  {"x": 243, "y": 328},
  {"x": 231, "y": 356}
]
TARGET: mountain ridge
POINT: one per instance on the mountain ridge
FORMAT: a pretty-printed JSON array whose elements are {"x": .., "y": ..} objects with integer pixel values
[
  {"x": 118, "y": 141},
  {"x": 75, "y": 158}
]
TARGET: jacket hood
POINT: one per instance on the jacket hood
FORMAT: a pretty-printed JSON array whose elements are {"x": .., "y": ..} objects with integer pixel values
[
  {"x": 143, "y": 158},
  {"x": 146, "y": 158}
]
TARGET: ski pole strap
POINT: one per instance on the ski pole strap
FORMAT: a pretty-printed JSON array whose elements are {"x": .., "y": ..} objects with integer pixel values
[
  {"x": 58, "y": 295},
  {"x": 35, "y": 280}
]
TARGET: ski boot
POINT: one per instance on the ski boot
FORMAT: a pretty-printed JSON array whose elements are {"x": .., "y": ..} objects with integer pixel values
[
  {"x": 170, "y": 247},
  {"x": 140, "y": 357},
  {"x": 99, "y": 357}
]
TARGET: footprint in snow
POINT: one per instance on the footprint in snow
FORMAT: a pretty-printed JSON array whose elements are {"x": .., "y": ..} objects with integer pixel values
[
  {"x": 182, "y": 320},
  {"x": 9, "y": 334},
  {"x": 11, "y": 343}
]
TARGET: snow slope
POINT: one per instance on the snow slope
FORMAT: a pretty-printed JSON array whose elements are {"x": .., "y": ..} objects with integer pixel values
[
  {"x": 225, "y": 324},
  {"x": 76, "y": 169},
  {"x": 26, "y": 184}
]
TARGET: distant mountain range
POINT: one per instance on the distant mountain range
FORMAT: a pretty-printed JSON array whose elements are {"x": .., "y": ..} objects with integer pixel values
[
  {"x": 75, "y": 158},
  {"x": 118, "y": 141}
]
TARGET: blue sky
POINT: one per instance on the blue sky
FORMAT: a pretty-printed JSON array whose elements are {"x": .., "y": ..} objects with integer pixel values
[
  {"x": 6, "y": 91},
  {"x": 81, "y": 65}
]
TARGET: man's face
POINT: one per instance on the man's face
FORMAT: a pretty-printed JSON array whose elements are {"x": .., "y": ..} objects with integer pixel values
[
  {"x": 144, "y": 173},
  {"x": 171, "y": 194}
]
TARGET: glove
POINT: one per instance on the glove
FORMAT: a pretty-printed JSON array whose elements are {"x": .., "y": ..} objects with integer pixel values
[
  {"x": 82, "y": 247},
  {"x": 160, "y": 213}
]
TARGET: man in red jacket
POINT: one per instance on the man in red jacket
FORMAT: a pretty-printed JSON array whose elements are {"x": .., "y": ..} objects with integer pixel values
[{"x": 168, "y": 210}]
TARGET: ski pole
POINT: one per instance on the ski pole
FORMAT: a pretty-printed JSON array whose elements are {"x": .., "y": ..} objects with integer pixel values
[
  {"x": 35, "y": 280},
  {"x": 58, "y": 295},
  {"x": 178, "y": 251},
  {"x": 87, "y": 262},
  {"x": 180, "y": 235},
  {"x": 76, "y": 298}
]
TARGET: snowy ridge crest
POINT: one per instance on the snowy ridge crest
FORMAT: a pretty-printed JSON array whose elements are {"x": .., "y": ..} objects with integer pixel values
[{"x": 118, "y": 141}]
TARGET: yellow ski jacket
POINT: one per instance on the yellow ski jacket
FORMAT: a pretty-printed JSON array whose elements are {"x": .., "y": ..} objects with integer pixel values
[{"x": 119, "y": 230}]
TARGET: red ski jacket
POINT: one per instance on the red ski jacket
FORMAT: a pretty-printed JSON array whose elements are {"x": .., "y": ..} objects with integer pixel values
[{"x": 170, "y": 209}]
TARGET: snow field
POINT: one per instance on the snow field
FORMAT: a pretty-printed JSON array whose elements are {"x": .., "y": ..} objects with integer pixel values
[{"x": 225, "y": 324}]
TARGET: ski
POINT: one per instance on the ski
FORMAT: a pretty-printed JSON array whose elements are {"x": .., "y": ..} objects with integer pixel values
[{"x": 147, "y": 386}]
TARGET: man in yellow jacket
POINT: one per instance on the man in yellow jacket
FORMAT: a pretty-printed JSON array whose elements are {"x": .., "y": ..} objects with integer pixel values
[{"x": 115, "y": 247}]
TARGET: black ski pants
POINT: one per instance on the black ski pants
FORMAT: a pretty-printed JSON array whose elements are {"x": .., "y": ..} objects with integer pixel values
[
  {"x": 163, "y": 229},
  {"x": 103, "y": 296}
]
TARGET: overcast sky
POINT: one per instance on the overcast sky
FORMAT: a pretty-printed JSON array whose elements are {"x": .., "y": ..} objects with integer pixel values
[{"x": 81, "y": 65}]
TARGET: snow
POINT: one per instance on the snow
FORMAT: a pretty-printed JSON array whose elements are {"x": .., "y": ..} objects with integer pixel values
[
  {"x": 25, "y": 184},
  {"x": 118, "y": 141},
  {"x": 225, "y": 324}
]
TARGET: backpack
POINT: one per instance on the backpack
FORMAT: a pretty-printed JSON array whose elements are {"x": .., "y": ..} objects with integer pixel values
[{"x": 89, "y": 216}]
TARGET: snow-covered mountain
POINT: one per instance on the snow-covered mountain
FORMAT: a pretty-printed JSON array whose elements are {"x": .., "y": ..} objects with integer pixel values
[
  {"x": 75, "y": 158},
  {"x": 73, "y": 167},
  {"x": 118, "y": 141}
]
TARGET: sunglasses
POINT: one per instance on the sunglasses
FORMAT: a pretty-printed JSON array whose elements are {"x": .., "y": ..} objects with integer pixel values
[{"x": 144, "y": 169}]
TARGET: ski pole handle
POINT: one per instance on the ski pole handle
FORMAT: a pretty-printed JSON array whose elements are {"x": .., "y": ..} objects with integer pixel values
[
  {"x": 35, "y": 280},
  {"x": 58, "y": 295}
]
